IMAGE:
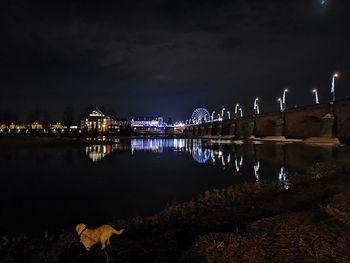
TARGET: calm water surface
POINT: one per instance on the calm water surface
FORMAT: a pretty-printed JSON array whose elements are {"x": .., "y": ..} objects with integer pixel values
[{"x": 44, "y": 188}]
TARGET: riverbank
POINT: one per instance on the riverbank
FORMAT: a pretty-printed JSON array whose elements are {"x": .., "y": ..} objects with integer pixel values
[{"x": 306, "y": 220}]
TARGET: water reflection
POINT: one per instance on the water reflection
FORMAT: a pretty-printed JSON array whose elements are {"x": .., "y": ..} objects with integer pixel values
[
  {"x": 256, "y": 170},
  {"x": 97, "y": 152},
  {"x": 131, "y": 182},
  {"x": 274, "y": 159},
  {"x": 283, "y": 178},
  {"x": 238, "y": 164}
]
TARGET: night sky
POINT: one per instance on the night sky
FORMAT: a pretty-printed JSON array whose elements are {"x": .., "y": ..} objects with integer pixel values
[{"x": 169, "y": 57}]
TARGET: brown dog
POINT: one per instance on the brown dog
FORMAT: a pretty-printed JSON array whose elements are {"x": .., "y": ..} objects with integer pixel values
[{"x": 90, "y": 237}]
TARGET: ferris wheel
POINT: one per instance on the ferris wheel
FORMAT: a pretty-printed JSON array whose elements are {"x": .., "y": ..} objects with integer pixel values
[{"x": 199, "y": 115}]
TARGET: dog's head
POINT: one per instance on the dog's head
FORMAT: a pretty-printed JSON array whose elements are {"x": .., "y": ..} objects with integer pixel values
[{"x": 79, "y": 228}]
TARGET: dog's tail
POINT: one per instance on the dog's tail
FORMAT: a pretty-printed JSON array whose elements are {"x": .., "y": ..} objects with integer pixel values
[{"x": 118, "y": 232}]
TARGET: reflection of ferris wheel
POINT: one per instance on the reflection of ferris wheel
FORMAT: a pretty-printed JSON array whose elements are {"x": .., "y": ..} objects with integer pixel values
[
  {"x": 201, "y": 155},
  {"x": 199, "y": 115}
]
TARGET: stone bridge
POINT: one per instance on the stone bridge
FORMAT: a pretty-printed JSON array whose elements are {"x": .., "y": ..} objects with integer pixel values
[{"x": 328, "y": 120}]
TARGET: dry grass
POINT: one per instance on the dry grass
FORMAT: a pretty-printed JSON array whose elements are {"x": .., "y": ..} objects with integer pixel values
[{"x": 296, "y": 237}]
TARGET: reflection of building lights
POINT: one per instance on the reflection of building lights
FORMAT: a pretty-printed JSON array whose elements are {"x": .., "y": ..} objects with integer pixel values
[{"x": 97, "y": 152}]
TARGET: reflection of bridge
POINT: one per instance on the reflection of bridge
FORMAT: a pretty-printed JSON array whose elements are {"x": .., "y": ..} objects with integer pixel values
[
  {"x": 320, "y": 121},
  {"x": 254, "y": 160}
]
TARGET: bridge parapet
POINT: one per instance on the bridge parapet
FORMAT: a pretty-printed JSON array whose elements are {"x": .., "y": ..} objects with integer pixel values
[{"x": 318, "y": 120}]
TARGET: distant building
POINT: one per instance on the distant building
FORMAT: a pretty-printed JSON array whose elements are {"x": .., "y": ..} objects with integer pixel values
[
  {"x": 57, "y": 128},
  {"x": 36, "y": 126},
  {"x": 3, "y": 128},
  {"x": 96, "y": 122},
  {"x": 18, "y": 128},
  {"x": 148, "y": 125}
]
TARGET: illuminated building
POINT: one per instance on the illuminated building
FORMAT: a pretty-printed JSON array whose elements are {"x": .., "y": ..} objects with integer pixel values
[
  {"x": 57, "y": 128},
  {"x": 18, "y": 128},
  {"x": 3, "y": 128},
  {"x": 36, "y": 126},
  {"x": 148, "y": 125},
  {"x": 97, "y": 122}
]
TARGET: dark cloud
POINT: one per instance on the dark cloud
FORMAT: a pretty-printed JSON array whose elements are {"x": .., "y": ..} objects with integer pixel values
[{"x": 167, "y": 57}]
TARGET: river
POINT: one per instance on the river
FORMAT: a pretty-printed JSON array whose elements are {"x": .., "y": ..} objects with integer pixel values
[{"x": 51, "y": 188}]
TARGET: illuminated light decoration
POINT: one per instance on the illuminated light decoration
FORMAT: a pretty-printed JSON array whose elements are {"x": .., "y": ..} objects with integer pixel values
[
  {"x": 229, "y": 115},
  {"x": 316, "y": 96},
  {"x": 335, "y": 75},
  {"x": 200, "y": 114}
]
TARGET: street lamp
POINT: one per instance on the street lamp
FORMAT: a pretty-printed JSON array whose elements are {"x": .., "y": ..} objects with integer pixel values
[
  {"x": 205, "y": 117},
  {"x": 316, "y": 96},
  {"x": 212, "y": 115},
  {"x": 335, "y": 75},
  {"x": 220, "y": 119},
  {"x": 236, "y": 109},
  {"x": 241, "y": 111},
  {"x": 256, "y": 106},
  {"x": 281, "y": 103},
  {"x": 222, "y": 112},
  {"x": 284, "y": 98}
]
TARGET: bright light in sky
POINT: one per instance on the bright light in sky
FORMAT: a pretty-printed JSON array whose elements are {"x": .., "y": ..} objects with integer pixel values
[{"x": 323, "y": 2}]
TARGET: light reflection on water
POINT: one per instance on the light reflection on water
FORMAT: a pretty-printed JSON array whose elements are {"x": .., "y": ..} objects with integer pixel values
[
  {"x": 199, "y": 150},
  {"x": 122, "y": 178}
]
